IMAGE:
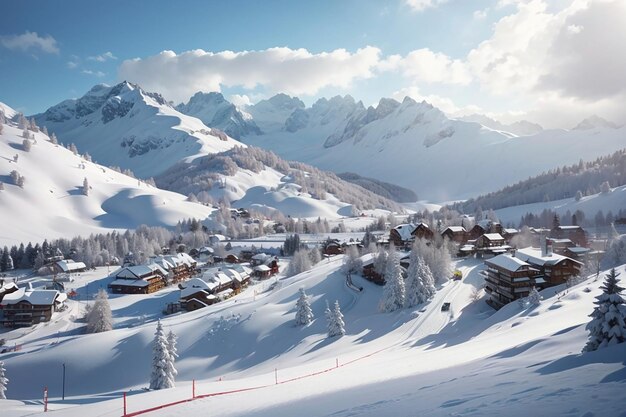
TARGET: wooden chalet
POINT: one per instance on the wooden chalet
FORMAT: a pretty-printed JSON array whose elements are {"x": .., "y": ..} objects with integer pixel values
[
  {"x": 232, "y": 259},
  {"x": 574, "y": 233},
  {"x": 555, "y": 269},
  {"x": 482, "y": 227},
  {"x": 263, "y": 259},
  {"x": 508, "y": 278},
  {"x": 26, "y": 307},
  {"x": 509, "y": 234},
  {"x": 197, "y": 293},
  {"x": 239, "y": 281},
  {"x": 456, "y": 234},
  {"x": 178, "y": 267},
  {"x": 489, "y": 240},
  {"x": 262, "y": 272},
  {"x": 68, "y": 266},
  {"x": 404, "y": 235},
  {"x": 138, "y": 279},
  {"x": 332, "y": 247}
]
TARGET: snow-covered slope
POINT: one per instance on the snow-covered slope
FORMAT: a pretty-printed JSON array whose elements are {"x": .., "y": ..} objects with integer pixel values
[
  {"x": 127, "y": 127},
  {"x": 416, "y": 146},
  {"x": 613, "y": 201},
  {"x": 218, "y": 113},
  {"x": 51, "y": 204},
  {"x": 595, "y": 122},
  {"x": 422, "y": 361},
  {"x": 521, "y": 128}
]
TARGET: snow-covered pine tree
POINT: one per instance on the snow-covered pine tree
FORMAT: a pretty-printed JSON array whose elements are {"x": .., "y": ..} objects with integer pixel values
[
  {"x": 73, "y": 149},
  {"x": 173, "y": 352},
  {"x": 26, "y": 134},
  {"x": 304, "y": 314},
  {"x": 352, "y": 261},
  {"x": 414, "y": 286},
  {"x": 380, "y": 263},
  {"x": 99, "y": 317},
  {"x": 336, "y": 325},
  {"x": 394, "y": 292},
  {"x": 534, "y": 298},
  {"x": 299, "y": 263},
  {"x": 160, "y": 377},
  {"x": 424, "y": 272},
  {"x": 579, "y": 195},
  {"x": 608, "y": 324},
  {"x": 1, "y": 186},
  {"x": 605, "y": 187},
  {"x": 53, "y": 138},
  {"x": 85, "y": 186},
  {"x": 4, "y": 381}
]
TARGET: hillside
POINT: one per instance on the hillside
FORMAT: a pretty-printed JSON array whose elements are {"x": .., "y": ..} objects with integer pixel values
[
  {"x": 51, "y": 202},
  {"x": 471, "y": 361},
  {"x": 416, "y": 146},
  {"x": 385, "y": 189},
  {"x": 556, "y": 184},
  {"x": 127, "y": 127}
]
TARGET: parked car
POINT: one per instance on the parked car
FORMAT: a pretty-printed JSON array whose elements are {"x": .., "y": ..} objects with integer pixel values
[
  {"x": 457, "y": 275},
  {"x": 445, "y": 307}
]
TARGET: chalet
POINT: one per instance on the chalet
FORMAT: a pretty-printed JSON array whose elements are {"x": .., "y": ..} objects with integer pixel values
[
  {"x": 239, "y": 281},
  {"x": 262, "y": 271},
  {"x": 509, "y": 234},
  {"x": 489, "y": 240},
  {"x": 332, "y": 247},
  {"x": 577, "y": 252},
  {"x": 484, "y": 226},
  {"x": 232, "y": 259},
  {"x": 178, "y": 267},
  {"x": 243, "y": 271},
  {"x": 7, "y": 287},
  {"x": 456, "y": 234},
  {"x": 555, "y": 269},
  {"x": 263, "y": 259},
  {"x": 216, "y": 239},
  {"x": 508, "y": 278},
  {"x": 68, "y": 266},
  {"x": 404, "y": 234},
  {"x": 574, "y": 233},
  {"x": 197, "y": 293},
  {"x": 138, "y": 279},
  {"x": 369, "y": 271},
  {"x": 26, "y": 307},
  {"x": 560, "y": 245}
]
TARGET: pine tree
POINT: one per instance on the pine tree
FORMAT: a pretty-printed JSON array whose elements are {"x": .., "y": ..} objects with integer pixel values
[
  {"x": 415, "y": 292},
  {"x": 394, "y": 292},
  {"x": 173, "y": 352},
  {"x": 299, "y": 263},
  {"x": 304, "y": 314},
  {"x": 85, "y": 186},
  {"x": 4, "y": 260},
  {"x": 4, "y": 381},
  {"x": 424, "y": 272},
  {"x": 53, "y": 138},
  {"x": 336, "y": 325},
  {"x": 161, "y": 377},
  {"x": 73, "y": 149},
  {"x": 608, "y": 324},
  {"x": 99, "y": 317},
  {"x": 352, "y": 261},
  {"x": 579, "y": 195},
  {"x": 534, "y": 298}
]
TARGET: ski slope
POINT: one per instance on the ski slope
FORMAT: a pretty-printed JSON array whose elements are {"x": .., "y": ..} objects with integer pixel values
[{"x": 470, "y": 361}]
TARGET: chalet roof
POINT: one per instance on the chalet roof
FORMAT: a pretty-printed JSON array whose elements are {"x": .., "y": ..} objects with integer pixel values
[
  {"x": 493, "y": 236},
  {"x": 454, "y": 229},
  {"x": 130, "y": 283},
  {"x": 34, "y": 297},
  {"x": 569, "y": 228},
  {"x": 244, "y": 271},
  {"x": 262, "y": 257},
  {"x": 68, "y": 265},
  {"x": 560, "y": 240},
  {"x": 578, "y": 250},
  {"x": 138, "y": 271},
  {"x": 8, "y": 287},
  {"x": 196, "y": 285},
  {"x": 405, "y": 230},
  {"x": 535, "y": 257},
  {"x": 262, "y": 268},
  {"x": 510, "y": 231},
  {"x": 234, "y": 275},
  {"x": 221, "y": 278},
  {"x": 507, "y": 262},
  {"x": 206, "y": 250}
]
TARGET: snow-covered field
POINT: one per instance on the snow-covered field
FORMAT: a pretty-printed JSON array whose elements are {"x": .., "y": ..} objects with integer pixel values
[{"x": 470, "y": 361}]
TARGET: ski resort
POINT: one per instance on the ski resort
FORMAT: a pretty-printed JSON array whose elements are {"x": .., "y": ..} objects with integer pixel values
[{"x": 317, "y": 209}]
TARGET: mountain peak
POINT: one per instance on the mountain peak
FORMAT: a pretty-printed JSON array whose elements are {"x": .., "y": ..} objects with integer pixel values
[{"x": 594, "y": 122}]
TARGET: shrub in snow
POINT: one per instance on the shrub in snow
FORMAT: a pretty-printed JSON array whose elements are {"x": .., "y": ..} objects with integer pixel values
[
  {"x": 85, "y": 186},
  {"x": 534, "y": 298},
  {"x": 605, "y": 187},
  {"x": 26, "y": 134},
  {"x": 73, "y": 149},
  {"x": 608, "y": 324},
  {"x": 161, "y": 376},
  {"x": 336, "y": 325},
  {"x": 315, "y": 256},
  {"x": 17, "y": 178},
  {"x": 304, "y": 314},
  {"x": 3, "y": 381},
  {"x": 579, "y": 195},
  {"x": 615, "y": 253},
  {"x": 99, "y": 317},
  {"x": 173, "y": 352},
  {"x": 394, "y": 292},
  {"x": 53, "y": 139}
]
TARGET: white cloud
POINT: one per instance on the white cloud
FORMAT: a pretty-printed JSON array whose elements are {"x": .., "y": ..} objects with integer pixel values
[
  {"x": 481, "y": 14},
  {"x": 424, "y": 65},
  {"x": 291, "y": 71},
  {"x": 240, "y": 100},
  {"x": 98, "y": 74},
  {"x": 102, "y": 57},
  {"x": 29, "y": 41},
  {"x": 421, "y": 5},
  {"x": 72, "y": 64}
]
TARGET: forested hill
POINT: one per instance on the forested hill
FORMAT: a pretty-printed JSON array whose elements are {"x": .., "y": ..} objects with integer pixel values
[{"x": 583, "y": 178}]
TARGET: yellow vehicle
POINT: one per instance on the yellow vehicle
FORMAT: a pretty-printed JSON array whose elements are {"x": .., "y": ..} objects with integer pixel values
[{"x": 457, "y": 275}]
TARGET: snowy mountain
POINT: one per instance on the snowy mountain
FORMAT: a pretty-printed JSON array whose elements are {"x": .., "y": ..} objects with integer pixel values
[
  {"x": 217, "y": 112},
  {"x": 52, "y": 203},
  {"x": 127, "y": 127},
  {"x": 416, "y": 146},
  {"x": 520, "y": 128},
  {"x": 595, "y": 122}
]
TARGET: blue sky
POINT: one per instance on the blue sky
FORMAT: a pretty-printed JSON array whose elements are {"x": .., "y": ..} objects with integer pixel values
[{"x": 88, "y": 41}]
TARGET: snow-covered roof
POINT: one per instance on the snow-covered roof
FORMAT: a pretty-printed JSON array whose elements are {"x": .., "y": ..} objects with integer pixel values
[
  {"x": 507, "y": 262},
  {"x": 130, "y": 283},
  {"x": 244, "y": 271},
  {"x": 510, "y": 231},
  {"x": 235, "y": 275},
  {"x": 262, "y": 268},
  {"x": 68, "y": 265},
  {"x": 132, "y": 272},
  {"x": 261, "y": 257},
  {"x": 493, "y": 236},
  {"x": 405, "y": 230},
  {"x": 454, "y": 229},
  {"x": 578, "y": 250},
  {"x": 196, "y": 285},
  {"x": 34, "y": 297},
  {"x": 560, "y": 240},
  {"x": 221, "y": 278},
  {"x": 535, "y": 257},
  {"x": 569, "y": 227},
  {"x": 8, "y": 287},
  {"x": 206, "y": 249}
]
